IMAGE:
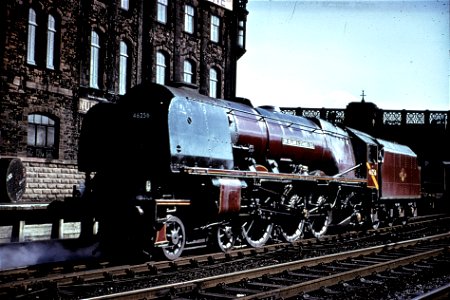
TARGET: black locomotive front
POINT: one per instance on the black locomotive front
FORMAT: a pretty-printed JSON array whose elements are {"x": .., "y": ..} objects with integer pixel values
[{"x": 123, "y": 149}]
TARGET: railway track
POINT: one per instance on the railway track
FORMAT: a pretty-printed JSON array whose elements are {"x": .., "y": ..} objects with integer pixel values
[
  {"x": 289, "y": 280},
  {"x": 76, "y": 281}
]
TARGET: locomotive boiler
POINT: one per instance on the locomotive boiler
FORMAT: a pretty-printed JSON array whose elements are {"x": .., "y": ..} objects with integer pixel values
[{"x": 167, "y": 168}]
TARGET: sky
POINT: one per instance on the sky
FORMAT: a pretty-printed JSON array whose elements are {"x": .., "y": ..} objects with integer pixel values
[{"x": 315, "y": 54}]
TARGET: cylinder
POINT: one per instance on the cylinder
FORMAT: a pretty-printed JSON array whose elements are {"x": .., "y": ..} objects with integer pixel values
[{"x": 12, "y": 180}]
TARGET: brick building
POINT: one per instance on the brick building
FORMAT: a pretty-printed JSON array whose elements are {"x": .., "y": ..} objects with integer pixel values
[{"x": 59, "y": 58}]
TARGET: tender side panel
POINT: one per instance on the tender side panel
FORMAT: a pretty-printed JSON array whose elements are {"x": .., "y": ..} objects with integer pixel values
[{"x": 400, "y": 175}]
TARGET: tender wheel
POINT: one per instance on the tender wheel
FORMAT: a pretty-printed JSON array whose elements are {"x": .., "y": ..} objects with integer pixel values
[
  {"x": 320, "y": 217},
  {"x": 257, "y": 231},
  {"x": 411, "y": 210},
  {"x": 398, "y": 216},
  {"x": 374, "y": 221},
  {"x": 176, "y": 236},
  {"x": 224, "y": 237}
]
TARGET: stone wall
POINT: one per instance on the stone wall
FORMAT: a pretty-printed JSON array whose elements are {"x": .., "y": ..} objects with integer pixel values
[{"x": 48, "y": 181}]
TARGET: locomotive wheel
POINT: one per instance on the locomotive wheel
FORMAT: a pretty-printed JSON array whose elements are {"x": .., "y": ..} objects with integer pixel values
[
  {"x": 176, "y": 236},
  {"x": 257, "y": 231},
  {"x": 320, "y": 217},
  {"x": 292, "y": 230},
  {"x": 225, "y": 237},
  {"x": 319, "y": 223}
]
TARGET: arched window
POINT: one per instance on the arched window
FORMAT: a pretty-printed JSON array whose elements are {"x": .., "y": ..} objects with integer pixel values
[
  {"x": 43, "y": 39},
  {"x": 95, "y": 60},
  {"x": 188, "y": 71},
  {"x": 31, "y": 43},
  {"x": 42, "y": 138},
  {"x": 214, "y": 83},
  {"x": 51, "y": 31},
  {"x": 161, "y": 68},
  {"x": 123, "y": 68}
]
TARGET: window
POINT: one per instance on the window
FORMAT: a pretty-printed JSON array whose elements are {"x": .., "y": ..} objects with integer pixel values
[
  {"x": 124, "y": 4},
  {"x": 31, "y": 44},
  {"x": 123, "y": 68},
  {"x": 215, "y": 28},
  {"x": 213, "y": 83},
  {"x": 188, "y": 73},
  {"x": 241, "y": 34},
  {"x": 51, "y": 31},
  {"x": 41, "y": 137},
  {"x": 189, "y": 19},
  {"x": 160, "y": 68},
  {"x": 95, "y": 60},
  {"x": 162, "y": 11},
  {"x": 43, "y": 41}
]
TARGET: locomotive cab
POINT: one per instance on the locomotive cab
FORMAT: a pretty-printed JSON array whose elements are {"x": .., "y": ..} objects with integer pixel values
[{"x": 367, "y": 156}]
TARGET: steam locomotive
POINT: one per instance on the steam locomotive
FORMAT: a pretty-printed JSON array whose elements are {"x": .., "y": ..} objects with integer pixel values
[{"x": 168, "y": 169}]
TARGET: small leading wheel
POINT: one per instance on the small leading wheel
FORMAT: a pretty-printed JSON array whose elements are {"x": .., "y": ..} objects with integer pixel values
[
  {"x": 224, "y": 237},
  {"x": 175, "y": 235},
  {"x": 256, "y": 231}
]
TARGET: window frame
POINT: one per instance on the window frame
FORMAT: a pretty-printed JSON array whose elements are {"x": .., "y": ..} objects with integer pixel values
[
  {"x": 31, "y": 36},
  {"x": 215, "y": 29},
  {"x": 51, "y": 40},
  {"x": 94, "y": 62},
  {"x": 189, "y": 19},
  {"x": 42, "y": 136},
  {"x": 161, "y": 68},
  {"x": 241, "y": 34},
  {"x": 188, "y": 71},
  {"x": 161, "y": 11},
  {"x": 125, "y": 4},
  {"x": 214, "y": 83},
  {"x": 123, "y": 67}
]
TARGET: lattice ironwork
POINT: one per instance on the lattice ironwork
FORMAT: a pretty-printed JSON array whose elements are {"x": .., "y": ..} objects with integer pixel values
[
  {"x": 415, "y": 118},
  {"x": 335, "y": 115},
  {"x": 288, "y": 111},
  {"x": 311, "y": 113},
  {"x": 438, "y": 118},
  {"x": 392, "y": 118}
]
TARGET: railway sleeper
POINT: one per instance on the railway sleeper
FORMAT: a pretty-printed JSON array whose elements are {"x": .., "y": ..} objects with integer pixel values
[
  {"x": 238, "y": 290},
  {"x": 303, "y": 275}
]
